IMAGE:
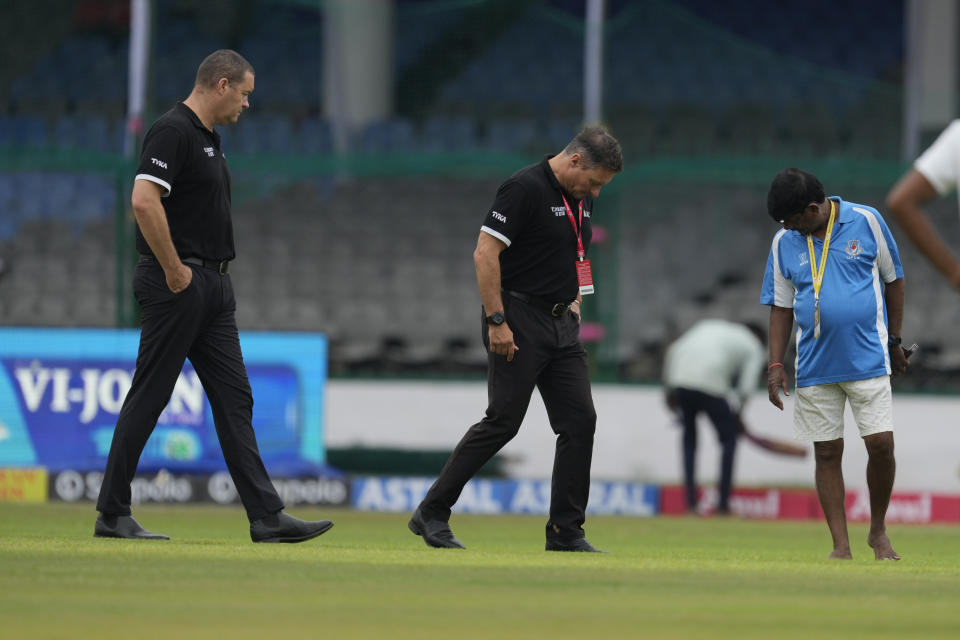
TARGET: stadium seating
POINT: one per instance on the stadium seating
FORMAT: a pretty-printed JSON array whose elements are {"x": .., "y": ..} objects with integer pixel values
[
  {"x": 343, "y": 258},
  {"x": 383, "y": 265}
]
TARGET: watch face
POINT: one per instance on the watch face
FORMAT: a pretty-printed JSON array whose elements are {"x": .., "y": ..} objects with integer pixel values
[{"x": 495, "y": 318}]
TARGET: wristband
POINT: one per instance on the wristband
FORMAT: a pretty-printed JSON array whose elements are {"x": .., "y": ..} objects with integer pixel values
[
  {"x": 774, "y": 364},
  {"x": 894, "y": 341}
]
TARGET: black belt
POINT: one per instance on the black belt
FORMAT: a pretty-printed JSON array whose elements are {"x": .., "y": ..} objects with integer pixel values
[
  {"x": 222, "y": 266},
  {"x": 556, "y": 309}
]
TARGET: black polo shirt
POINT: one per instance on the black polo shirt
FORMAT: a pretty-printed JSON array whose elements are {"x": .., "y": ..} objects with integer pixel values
[
  {"x": 529, "y": 216},
  {"x": 184, "y": 158}
]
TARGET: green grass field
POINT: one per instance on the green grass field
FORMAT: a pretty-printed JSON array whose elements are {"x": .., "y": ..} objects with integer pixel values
[{"x": 369, "y": 577}]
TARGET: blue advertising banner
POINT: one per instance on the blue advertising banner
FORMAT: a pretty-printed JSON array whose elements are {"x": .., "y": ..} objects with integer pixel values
[
  {"x": 61, "y": 391},
  {"x": 495, "y": 496}
]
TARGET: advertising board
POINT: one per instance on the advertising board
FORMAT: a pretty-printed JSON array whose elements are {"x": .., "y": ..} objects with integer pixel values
[
  {"x": 62, "y": 389},
  {"x": 500, "y": 496}
]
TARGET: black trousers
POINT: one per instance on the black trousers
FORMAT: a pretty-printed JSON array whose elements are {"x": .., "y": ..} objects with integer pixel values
[
  {"x": 692, "y": 403},
  {"x": 198, "y": 323},
  {"x": 552, "y": 359}
]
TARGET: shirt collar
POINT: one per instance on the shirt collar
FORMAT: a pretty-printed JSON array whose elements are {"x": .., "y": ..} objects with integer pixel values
[
  {"x": 844, "y": 214},
  {"x": 545, "y": 165},
  {"x": 844, "y": 210},
  {"x": 552, "y": 179},
  {"x": 195, "y": 119}
]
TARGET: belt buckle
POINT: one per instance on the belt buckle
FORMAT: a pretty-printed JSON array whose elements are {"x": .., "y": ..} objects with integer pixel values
[
  {"x": 223, "y": 267},
  {"x": 559, "y": 309}
]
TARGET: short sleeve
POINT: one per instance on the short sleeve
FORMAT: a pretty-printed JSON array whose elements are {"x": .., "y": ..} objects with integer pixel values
[
  {"x": 777, "y": 289},
  {"x": 163, "y": 155},
  {"x": 888, "y": 255},
  {"x": 940, "y": 163},
  {"x": 509, "y": 212}
]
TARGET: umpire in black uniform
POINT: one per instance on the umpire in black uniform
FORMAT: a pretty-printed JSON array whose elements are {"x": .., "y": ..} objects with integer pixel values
[
  {"x": 532, "y": 272},
  {"x": 181, "y": 200}
]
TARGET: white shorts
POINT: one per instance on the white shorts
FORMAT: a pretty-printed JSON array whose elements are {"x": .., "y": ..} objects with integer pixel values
[{"x": 818, "y": 412}]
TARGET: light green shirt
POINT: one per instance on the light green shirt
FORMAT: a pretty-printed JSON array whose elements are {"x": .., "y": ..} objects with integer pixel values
[{"x": 711, "y": 355}]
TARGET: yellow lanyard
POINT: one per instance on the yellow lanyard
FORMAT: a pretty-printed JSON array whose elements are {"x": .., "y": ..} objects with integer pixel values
[{"x": 818, "y": 273}]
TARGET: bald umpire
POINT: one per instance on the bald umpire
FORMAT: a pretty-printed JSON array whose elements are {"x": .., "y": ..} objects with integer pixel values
[{"x": 181, "y": 200}]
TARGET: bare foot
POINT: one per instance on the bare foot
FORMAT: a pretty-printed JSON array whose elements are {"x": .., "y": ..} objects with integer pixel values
[
  {"x": 841, "y": 554},
  {"x": 882, "y": 549}
]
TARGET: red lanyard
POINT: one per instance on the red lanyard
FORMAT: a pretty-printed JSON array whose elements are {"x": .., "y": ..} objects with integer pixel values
[{"x": 577, "y": 230}]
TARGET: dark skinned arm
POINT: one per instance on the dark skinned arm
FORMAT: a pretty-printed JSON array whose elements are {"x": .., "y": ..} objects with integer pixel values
[{"x": 781, "y": 322}]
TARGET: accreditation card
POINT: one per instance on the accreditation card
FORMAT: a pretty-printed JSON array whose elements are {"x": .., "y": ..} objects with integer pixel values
[{"x": 584, "y": 277}]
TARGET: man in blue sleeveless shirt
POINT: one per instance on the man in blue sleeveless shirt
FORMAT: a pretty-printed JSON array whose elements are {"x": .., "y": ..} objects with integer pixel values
[{"x": 835, "y": 269}]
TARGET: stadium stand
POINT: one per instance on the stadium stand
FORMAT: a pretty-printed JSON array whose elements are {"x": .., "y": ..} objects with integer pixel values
[{"x": 379, "y": 256}]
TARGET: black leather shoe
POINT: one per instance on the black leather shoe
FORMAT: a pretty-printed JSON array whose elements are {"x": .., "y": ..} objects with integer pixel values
[
  {"x": 436, "y": 533},
  {"x": 109, "y": 526},
  {"x": 580, "y": 544},
  {"x": 281, "y": 527}
]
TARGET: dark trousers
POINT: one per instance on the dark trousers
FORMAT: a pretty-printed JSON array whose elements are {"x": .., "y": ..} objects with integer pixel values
[
  {"x": 197, "y": 323},
  {"x": 692, "y": 403},
  {"x": 552, "y": 359}
]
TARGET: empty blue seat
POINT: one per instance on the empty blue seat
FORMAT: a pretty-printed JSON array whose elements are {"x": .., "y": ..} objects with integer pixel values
[
  {"x": 276, "y": 134},
  {"x": 314, "y": 137},
  {"x": 7, "y": 129},
  {"x": 23, "y": 132},
  {"x": 511, "y": 135},
  {"x": 442, "y": 133},
  {"x": 388, "y": 135}
]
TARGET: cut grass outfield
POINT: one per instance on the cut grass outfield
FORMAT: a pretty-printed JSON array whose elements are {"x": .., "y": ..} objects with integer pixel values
[{"x": 369, "y": 577}]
